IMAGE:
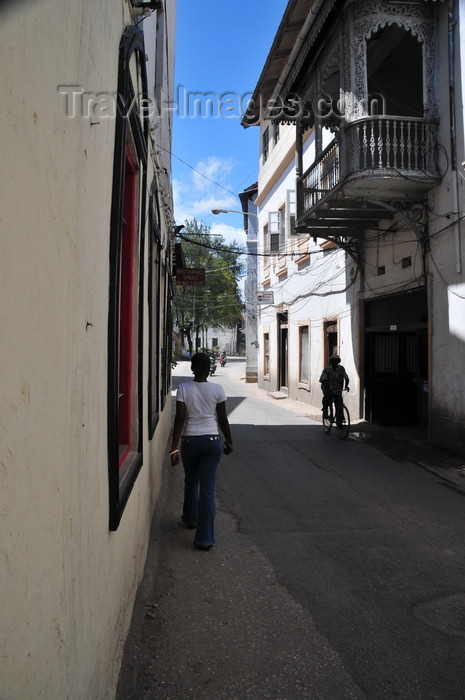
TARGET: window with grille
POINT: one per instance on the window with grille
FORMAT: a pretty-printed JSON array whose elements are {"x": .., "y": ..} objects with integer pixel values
[{"x": 281, "y": 224}]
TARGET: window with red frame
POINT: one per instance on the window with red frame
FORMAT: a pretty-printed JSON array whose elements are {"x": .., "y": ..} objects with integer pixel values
[{"x": 126, "y": 283}]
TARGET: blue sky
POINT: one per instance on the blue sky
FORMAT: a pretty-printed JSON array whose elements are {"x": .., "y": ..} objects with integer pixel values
[{"x": 221, "y": 48}]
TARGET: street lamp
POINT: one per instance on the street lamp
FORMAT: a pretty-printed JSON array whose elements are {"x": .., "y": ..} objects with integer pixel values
[{"x": 233, "y": 211}]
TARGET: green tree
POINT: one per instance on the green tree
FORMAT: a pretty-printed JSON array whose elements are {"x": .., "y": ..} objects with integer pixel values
[{"x": 219, "y": 303}]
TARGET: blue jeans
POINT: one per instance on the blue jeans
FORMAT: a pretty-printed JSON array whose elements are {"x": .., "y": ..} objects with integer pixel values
[{"x": 200, "y": 457}]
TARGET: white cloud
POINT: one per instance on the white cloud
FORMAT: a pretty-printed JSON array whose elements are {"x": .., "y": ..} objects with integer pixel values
[
  {"x": 205, "y": 205},
  {"x": 229, "y": 233},
  {"x": 210, "y": 171},
  {"x": 205, "y": 188}
]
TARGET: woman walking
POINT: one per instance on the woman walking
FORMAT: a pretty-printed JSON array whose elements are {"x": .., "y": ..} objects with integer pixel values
[{"x": 200, "y": 410}]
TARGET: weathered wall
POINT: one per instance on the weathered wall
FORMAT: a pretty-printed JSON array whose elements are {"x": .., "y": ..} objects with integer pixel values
[
  {"x": 67, "y": 582},
  {"x": 312, "y": 293},
  {"x": 447, "y": 257}
]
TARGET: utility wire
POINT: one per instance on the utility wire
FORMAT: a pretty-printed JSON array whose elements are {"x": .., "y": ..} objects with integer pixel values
[
  {"x": 221, "y": 249},
  {"x": 195, "y": 170}
]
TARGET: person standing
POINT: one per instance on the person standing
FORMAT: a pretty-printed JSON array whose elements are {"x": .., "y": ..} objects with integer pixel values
[
  {"x": 332, "y": 382},
  {"x": 200, "y": 411}
]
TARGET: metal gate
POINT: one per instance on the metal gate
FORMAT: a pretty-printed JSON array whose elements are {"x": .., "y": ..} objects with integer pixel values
[{"x": 396, "y": 352}]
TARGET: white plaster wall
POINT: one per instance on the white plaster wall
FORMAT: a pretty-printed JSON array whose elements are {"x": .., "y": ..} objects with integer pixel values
[
  {"x": 325, "y": 276},
  {"x": 447, "y": 311},
  {"x": 227, "y": 338},
  {"x": 276, "y": 152},
  {"x": 447, "y": 258},
  {"x": 250, "y": 289},
  {"x": 67, "y": 583},
  {"x": 388, "y": 250},
  {"x": 319, "y": 294},
  {"x": 161, "y": 70}
]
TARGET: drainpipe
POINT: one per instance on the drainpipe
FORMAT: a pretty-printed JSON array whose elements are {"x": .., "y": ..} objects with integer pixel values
[
  {"x": 310, "y": 19},
  {"x": 453, "y": 137}
]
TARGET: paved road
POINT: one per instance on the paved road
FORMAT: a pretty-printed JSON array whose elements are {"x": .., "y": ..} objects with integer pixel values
[
  {"x": 374, "y": 548},
  {"x": 345, "y": 562}
]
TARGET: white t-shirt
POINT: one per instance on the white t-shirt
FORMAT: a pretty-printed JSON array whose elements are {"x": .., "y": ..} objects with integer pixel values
[{"x": 201, "y": 399}]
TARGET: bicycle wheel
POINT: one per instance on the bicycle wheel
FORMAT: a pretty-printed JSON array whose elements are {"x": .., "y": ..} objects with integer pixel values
[
  {"x": 327, "y": 423},
  {"x": 343, "y": 431}
]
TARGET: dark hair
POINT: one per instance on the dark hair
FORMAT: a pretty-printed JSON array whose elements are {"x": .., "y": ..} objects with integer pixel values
[{"x": 200, "y": 363}]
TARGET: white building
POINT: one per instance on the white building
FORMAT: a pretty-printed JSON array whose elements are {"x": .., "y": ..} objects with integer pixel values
[
  {"x": 360, "y": 197},
  {"x": 85, "y": 340},
  {"x": 251, "y": 283}
]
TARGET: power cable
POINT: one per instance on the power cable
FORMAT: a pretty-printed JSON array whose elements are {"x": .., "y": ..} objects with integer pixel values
[
  {"x": 221, "y": 249},
  {"x": 195, "y": 170}
]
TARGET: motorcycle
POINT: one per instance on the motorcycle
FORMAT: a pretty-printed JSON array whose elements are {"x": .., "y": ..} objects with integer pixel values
[
  {"x": 223, "y": 360},
  {"x": 212, "y": 365}
]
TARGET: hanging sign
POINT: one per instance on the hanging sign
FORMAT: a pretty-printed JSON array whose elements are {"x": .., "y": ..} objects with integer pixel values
[
  {"x": 265, "y": 297},
  {"x": 190, "y": 276}
]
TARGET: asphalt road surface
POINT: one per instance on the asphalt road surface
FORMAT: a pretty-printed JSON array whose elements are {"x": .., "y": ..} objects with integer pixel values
[
  {"x": 370, "y": 543},
  {"x": 338, "y": 571}
]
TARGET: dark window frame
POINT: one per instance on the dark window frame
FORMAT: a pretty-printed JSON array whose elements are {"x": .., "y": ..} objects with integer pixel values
[
  {"x": 304, "y": 353},
  {"x": 266, "y": 354},
  {"x": 154, "y": 296},
  {"x": 266, "y": 143},
  {"x": 131, "y": 129},
  {"x": 275, "y": 133},
  {"x": 168, "y": 331},
  {"x": 127, "y": 317}
]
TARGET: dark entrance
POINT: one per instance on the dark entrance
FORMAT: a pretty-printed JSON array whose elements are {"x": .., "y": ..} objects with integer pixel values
[
  {"x": 283, "y": 339},
  {"x": 396, "y": 371}
]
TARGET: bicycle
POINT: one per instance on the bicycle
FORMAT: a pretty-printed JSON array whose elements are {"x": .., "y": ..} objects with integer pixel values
[{"x": 342, "y": 432}]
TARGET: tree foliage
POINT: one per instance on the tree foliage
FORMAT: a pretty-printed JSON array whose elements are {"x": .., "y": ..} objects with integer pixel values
[{"x": 219, "y": 303}]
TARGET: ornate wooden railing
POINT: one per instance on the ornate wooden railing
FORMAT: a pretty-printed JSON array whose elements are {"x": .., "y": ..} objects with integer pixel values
[
  {"x": 320, "y": 178},
  {"x": 405, "y": 145},
  {"x": 380, "y": 146}
]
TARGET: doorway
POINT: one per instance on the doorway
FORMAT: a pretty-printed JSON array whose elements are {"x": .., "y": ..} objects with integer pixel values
[
  {"x": 397, "y": 376},
  {"x": 392, "y": 52},
  {"x": 283, "y": 327},
  {"x": 396, "y": 354}
]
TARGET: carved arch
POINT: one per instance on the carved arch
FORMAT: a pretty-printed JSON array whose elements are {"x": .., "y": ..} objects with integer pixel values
[{"x": 368, "y": 18}]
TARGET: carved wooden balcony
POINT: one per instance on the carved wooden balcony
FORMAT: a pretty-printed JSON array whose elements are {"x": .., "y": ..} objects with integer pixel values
[{"x": 372, "y": 162}]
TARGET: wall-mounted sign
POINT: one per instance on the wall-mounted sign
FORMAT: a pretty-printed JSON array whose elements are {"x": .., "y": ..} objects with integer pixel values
[
  {"x": 190, "y": 276},
  {"x": 265, "y": 297}
]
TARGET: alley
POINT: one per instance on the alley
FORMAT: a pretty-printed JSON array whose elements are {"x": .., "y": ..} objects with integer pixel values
[{"x": 338, "y": 570}]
